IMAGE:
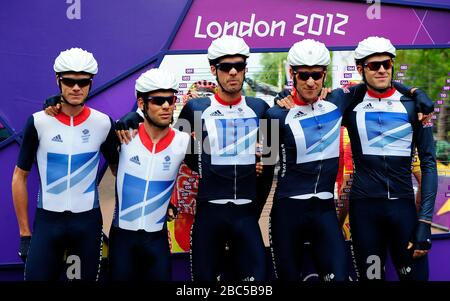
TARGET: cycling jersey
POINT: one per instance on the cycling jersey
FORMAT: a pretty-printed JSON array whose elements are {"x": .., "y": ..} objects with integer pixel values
[
  {"x": 309, "y": 145},
  {"x": 227, "y": 134},
  {"x": 68, "y": 217},
  {"x": 67, "y": 151},
  {"x": 145, "y": 179},
  {"x": 383, "y": 130}
]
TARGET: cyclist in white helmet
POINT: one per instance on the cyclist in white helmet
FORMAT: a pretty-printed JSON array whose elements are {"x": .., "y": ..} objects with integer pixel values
[
  {"x": 148, "y": 168},
  {"x": 384, "y": 129},
  {"x": 228, "y": 191},
  {"x": 67, "y": 149},
  {"x": 303, "y": 207},
  {"x": 230, "y": 196}
]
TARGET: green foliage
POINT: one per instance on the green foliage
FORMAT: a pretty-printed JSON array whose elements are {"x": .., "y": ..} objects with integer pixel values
[
  {"x": 273, "y": 66},
  {"x": 429, "y": 69}
]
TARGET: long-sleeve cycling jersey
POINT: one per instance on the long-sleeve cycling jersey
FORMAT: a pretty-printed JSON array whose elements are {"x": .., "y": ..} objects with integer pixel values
[
  {"x": 67, "y": 152},
  {"x": 309, "y": 144},
  {"x": 145, "y": 179},
  {"x": 383, "y": 130},
  {"x": 227, "y": 135}
]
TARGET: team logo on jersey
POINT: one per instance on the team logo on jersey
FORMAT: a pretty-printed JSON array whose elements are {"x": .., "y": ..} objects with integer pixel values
[
  {"x": 57, "y": 138},
  {"x": 85, "y": 136},
  {"x": 387, "y": 132},
  {"x": 236, "y": 136},
  {"x": 216, "y": 113},
  {"x": 299, "y": 114},
  {"x": 316, "y": 141},
  {"x": 135, "y": 159},
  {"x": 166, "y": 163},
  {"x": 82, "y": 166},
  {"x": 134, "y": 193},
  {"x": 368, "y": 106}
]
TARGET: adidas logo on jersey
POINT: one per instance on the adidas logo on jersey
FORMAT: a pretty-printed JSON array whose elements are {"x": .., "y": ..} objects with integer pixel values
[
  {"x": 135, "y": 159},
  {"x": 299, "y": 114},
  {"x": 368, "y": 106},
  {"x": 216, "y": 113},
  {"x": 57, "y": 138}
]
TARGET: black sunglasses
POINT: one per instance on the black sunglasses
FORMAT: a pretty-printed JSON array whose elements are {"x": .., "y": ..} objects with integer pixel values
[
  {"x": 306, "y": 75},
  {"x": 226, "y": 67},
  {"x": 375, "y": 66},
  {"x": 160, "y": 100},
  {"x": 71, "y": 82}
]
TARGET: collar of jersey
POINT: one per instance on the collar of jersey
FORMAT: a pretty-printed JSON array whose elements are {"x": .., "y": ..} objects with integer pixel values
[
  {"x": 297, "y": 100},
  {"x": 223, "y": 102},
  {"x": 386, "y": 94},
  {"x": 163, "y": 143},
  {"x": 79, "y": 119}
]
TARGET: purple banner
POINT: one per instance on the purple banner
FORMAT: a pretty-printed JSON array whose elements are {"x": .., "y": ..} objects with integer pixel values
[
  {"x": 32, "y": 33},
  {"x": 279, "y": 24}
]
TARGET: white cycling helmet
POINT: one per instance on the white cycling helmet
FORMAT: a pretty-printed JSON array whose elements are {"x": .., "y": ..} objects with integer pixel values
[
  {"x": 308, "y": 52},
  {"x": 156, "y": 79},
  {"x": 228, "y": 45},
  {"x": 75, "y": 60},
  {"x": 374, "y": 45}
]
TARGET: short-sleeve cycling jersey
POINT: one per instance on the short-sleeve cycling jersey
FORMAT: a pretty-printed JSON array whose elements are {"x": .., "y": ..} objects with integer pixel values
[
  {"x": 383, "y": 130},
  {"x": 67, "y": 150},
  {"x": 228, "y": 135},
  {"x": 145, "y": 179}
]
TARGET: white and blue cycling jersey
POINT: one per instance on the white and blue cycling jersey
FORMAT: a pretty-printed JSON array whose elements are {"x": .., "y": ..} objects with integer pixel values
[
  {"x": 145, "y": 179},
  {"x": 67, "y": 150}
]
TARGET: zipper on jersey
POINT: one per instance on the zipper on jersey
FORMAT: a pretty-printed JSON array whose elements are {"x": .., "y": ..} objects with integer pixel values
[
  {"x": 69, "y": 163},
  {"x": 321, "y": 136},
  {"x": 384, "y": 157},
  {"x": 147, "y": 187}
]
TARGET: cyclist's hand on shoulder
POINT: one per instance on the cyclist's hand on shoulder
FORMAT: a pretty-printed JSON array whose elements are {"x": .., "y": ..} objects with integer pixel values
[
  {"x": 286, "y": 102},
  {"x": 52, "y": 106}
]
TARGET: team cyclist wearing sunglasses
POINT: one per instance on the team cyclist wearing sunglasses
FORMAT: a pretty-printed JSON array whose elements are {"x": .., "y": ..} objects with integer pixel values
[
  {"x": 226, "y": 128},
  {"x": 67, "y": 149},
  {"x": 148, "y": 167},
  {"x": 384, "y": 129},
  {"x": 303, "y": 207}
]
